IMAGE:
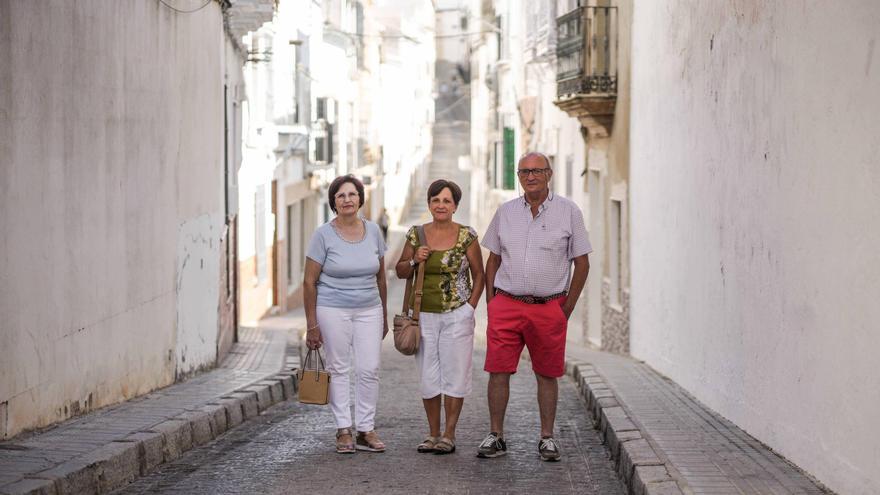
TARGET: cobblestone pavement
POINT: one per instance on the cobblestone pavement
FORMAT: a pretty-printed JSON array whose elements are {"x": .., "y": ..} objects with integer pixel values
[
  {"x": 290, "y": 449},
  {"x": 704, "y": 452}
]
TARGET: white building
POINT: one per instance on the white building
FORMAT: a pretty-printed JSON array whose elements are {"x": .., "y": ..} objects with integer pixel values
[
  {"x": 280, "y": 201},
  {"x": 403, "y": 102},
  {"x": 755, "y": 268},
  {"x": 117, "y": 176},
  {"x": 513, "y": 88},
  {"x": 334, "y": 88}
]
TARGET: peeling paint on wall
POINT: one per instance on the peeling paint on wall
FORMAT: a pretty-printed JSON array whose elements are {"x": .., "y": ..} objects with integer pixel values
[{"x": 197, "y": 287}]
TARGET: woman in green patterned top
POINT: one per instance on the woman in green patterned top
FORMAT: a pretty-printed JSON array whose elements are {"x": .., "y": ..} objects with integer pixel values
[{"x": 452, "y": 288}]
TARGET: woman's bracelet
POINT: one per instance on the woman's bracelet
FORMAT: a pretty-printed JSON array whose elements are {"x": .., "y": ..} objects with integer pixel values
[{"x": 312, "y": 328}]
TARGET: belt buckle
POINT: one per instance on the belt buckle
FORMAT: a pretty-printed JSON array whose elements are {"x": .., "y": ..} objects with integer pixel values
[{"x": 529, "y": 300}]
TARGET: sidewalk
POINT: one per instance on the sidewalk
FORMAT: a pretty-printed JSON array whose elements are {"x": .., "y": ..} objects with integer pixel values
[
  {"x": 111, "y": 447},
  {"x": 666, "y": 442}
]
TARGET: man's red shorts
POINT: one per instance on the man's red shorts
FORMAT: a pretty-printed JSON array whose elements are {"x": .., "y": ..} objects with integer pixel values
[{"x": 540, "y": 327}]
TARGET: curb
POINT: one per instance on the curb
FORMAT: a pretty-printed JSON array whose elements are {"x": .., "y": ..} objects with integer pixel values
[
  {"x": 640, "y": 467},
  {"x": 120, "y": 462}
]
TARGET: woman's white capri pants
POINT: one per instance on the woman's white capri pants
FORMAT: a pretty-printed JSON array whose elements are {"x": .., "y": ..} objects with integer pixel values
[{"x": 446, "y": 350}]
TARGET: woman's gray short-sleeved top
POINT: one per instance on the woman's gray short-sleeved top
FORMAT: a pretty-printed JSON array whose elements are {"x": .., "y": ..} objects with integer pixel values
[{"x": 348, "y": 269}]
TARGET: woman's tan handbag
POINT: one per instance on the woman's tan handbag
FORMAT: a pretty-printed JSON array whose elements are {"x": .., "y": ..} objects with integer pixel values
[
  {"x": 314, "y": 384},
  {"x": 406, "y": 328}
]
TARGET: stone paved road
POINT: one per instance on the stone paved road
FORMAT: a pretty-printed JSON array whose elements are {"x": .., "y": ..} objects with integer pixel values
[{"x": 290, "y": 449}]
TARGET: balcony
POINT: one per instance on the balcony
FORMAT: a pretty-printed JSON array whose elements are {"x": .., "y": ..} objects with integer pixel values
[{"x": 586, "y": 76}]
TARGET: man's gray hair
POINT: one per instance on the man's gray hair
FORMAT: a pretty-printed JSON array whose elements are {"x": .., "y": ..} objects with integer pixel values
[{"x": 530, "y": 154}]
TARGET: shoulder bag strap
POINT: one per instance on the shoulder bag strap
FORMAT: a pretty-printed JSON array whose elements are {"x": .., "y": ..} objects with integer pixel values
[
  {"x": 407, "y": 293},
  {"x": 420, "y": 278}
]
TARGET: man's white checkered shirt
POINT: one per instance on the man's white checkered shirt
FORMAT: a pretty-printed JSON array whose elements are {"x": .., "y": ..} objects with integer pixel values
[{"x": 536, "y": 253}]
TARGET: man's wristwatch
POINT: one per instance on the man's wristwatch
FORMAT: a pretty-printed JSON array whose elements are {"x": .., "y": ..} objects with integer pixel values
[{"x": 412, "y": 263}]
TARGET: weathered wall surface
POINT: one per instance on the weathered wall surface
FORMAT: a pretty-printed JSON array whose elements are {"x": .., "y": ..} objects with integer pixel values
[
  {"x": 754, "y": 195},
  {"x": 111, "y": 201},
  {"x": 198, "y": 292}
]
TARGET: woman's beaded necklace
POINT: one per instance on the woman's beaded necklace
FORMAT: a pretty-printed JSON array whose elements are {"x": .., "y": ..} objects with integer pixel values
[{"x": 339, "y": 231}]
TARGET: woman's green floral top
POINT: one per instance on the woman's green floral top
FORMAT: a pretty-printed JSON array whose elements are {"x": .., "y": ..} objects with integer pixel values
[{"x": 447, "y": 280}]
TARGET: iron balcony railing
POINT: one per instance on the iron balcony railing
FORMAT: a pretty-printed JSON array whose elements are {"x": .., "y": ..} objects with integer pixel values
[{"x": 586, "y": 52}]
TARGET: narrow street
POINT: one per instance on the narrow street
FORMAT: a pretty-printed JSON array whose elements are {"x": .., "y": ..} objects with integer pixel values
[
  {"x": 710, "y": 170},
  {"x": 289, "y": 449}
]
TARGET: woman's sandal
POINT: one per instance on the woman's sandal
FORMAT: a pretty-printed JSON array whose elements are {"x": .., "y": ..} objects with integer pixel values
[
  {"x": 446, "y": 445},
  {"x": 427, "y": 445},
  {"x": 343, "y": 447},
  {"x": 369, "y": 441}
]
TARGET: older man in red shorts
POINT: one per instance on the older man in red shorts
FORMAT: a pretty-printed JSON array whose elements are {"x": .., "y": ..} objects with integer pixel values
[{"x": 530, "y": 290}]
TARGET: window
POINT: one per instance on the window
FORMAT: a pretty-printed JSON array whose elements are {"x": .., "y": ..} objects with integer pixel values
[
  {"x": 359, "y": 29},
  {"x": 509, "y": 159},
  {"x": 498, "y": 39},
  {"x": 570, "y": 176},
  {"x": 321, "y": 109},
  {"x": 323, "y": 136},
  {"x": 297, "y": 54},
  {"x": 295, "y": 243},
  {"x": 231, "y": 260},
  {"x": 260, "y": 232},
  {"x": 290, "y": 254},
  {"x": 615, "y": 251}
]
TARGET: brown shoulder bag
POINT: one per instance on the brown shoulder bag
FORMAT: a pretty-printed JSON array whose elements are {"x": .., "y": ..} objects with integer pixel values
[{"x": 406, "y": 327}]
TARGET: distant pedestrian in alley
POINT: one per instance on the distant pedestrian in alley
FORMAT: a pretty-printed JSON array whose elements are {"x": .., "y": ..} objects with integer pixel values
[
  {"x": 344, "y": 291},
  {"x": 383, "y": 223},
  {"x": 530, "y": 290},
  {"x": 452, "y": 287}
]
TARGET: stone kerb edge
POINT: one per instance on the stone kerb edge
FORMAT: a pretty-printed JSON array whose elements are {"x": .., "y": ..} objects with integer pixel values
[
  {"x": 121, "y": 462},
  {"x": 637, "y": 463}
]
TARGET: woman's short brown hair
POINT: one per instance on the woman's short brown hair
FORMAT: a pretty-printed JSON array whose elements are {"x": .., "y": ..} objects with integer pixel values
[
  {"x": 441, "y": 184},
  {"x": 338, "y": 182}
]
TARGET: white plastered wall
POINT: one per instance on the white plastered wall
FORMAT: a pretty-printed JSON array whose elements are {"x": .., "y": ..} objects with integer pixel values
[
  {"x": 754, "y": 200},
  {"x": 111, "y": 180}
]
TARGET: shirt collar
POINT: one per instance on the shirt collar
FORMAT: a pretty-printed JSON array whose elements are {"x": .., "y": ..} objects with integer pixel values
[{"x": 525, "y": 202}]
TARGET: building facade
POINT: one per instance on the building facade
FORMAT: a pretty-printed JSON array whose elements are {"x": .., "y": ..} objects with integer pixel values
[
  {"x": 279, "y": 196},
  {"x": 118, "y": 145},
  {"x": 526, "y": 61},
  {"x": 334, "y": 88},
  {"x": 592, "y": 86},
  {"x": 754, "y": 196}
]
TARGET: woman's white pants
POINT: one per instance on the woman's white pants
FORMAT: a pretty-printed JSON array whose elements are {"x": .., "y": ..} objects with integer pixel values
[
  {"x": 347, "y": 333},
  {"x": 445, "y": 353}
]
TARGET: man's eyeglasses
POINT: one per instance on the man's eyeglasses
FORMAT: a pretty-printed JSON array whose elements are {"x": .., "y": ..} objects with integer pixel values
[{"x": 537, "y": 172}]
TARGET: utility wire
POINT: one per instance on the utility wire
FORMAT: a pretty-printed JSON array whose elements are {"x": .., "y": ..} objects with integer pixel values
[
  {"x": 179, "y": 11},
  {"x": 462, "y": 34},
  {"x": 407, "y": 37}
]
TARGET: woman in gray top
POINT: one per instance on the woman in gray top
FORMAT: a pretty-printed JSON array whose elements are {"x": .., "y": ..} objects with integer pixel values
[{"x": 344, "y": 293}]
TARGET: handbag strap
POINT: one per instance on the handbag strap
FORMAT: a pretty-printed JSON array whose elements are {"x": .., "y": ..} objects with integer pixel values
[
  {"x": 319, "y": 364},
  {"x": 407, "y": 293},
  {"x": 420, "y": 278}
]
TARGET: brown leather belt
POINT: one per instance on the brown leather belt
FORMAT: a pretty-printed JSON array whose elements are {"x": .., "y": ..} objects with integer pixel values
[{"x": 531, "y": 299}]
